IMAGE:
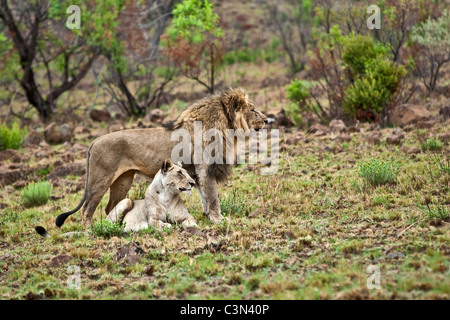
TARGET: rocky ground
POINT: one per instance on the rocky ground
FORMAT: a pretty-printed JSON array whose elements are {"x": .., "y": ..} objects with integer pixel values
[{"x": 310, "y": 231}]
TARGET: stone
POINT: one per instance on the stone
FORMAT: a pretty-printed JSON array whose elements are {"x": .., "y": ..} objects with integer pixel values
[
  {"x": 60, "y": 260},
  {"x": 156, "y": 115},
  {"x": 318, "y": 127},
  {"x": 408, "y": 113},
  {"x": 445, "y": 112},
  {"x": 33, "y": 138},
  {"x": 116, "y": 127},
  {"x": 8, "y": 154},
  {"x": 73, "y": 169},
  {"x": 295, "y": 138},
  {"x": 374, "y": 137},
  {"x": 56, "y": 134},
  {"x": 100, "y": 115},
  {"x": 414, "y": 150},
  {"x": 337, "y": 126}
]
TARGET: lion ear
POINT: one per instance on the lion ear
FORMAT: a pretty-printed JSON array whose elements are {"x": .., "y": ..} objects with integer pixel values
[
  {"x": 179, "y": 164},
  {"x": 235, "y": 103},
  {"x": 167, "y": 165}
]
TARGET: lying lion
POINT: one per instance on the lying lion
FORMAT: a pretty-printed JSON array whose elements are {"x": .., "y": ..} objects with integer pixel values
[
  {"x": 114, "y": 159},
  {"x": 162, "y": 205}
]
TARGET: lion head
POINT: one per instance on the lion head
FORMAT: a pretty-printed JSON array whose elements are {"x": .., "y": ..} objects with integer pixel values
[
  {"x": 175, "y": 178},
  {"x": 230, "y": 109}
]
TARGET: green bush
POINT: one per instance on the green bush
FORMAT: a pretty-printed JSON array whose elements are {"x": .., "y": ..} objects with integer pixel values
[
  {"x": 12, "y": 137},
  {"x": 378, "y": 172},
  {"x": 234, "y": 205},
  {"x": 359, "y": 51},
  {"x": 299, "y": 92},
  {"x": 431, "y": 145},
  {"x": 107, "y": 229},
  {"x": 375, "y": 89},
  {"x": 36, "y": 194}
]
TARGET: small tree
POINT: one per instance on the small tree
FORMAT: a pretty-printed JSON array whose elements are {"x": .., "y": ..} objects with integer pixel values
[
  {"x": 433, "y": 38},
  {"x": 292, "y": 21},
  {"x": 195, "y": 41}
]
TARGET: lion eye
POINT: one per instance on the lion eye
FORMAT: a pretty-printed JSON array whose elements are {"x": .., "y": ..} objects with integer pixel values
[
  {"x": 254, "y": 110},
  {"x": 181, "y": 173}
]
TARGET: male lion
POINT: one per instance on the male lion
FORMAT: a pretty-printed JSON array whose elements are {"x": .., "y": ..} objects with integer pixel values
[
  {"x": 114, "y": 159},
  {"x": 162, "y": 204}
]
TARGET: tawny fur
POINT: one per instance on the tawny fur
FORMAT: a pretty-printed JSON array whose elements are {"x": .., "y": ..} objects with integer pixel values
[
  {"x": 115, "y": 158},
  {"x": 162, "y": 205}
]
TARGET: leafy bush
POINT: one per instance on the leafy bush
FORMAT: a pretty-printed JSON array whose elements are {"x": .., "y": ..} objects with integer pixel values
[
  {"x": 359, "y": 51},
  {"x": 107, "y": 229},
  {"x": 36, "y": 194},
  {"x": 431, "y": 145},
  {"x": 234, "y": 204},
  {"x": 12, "y": 137},
  {"x": 433, "y": 39},
  {"x": 301, "y": 93},
  {"x": 378, "y": 172},
  {"x": 374, "y": 90}
]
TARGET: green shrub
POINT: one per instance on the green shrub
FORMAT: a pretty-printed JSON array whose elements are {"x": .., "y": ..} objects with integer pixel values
[
  {"x": 375, "y": 90},
  {"x": 378, "y": 172},
  {"x": 299, "y": 92},
  {"x": 431, "y": 145},
  {"x": 107, "y": 229},
  {"x": 359, "y": 51},
  {"x": 36, "y": 194},
  {"x": 234, "y": 205},
  {"x": 12, "y": 137}
]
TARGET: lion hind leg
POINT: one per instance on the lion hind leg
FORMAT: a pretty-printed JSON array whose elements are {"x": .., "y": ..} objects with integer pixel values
[
  {"x": 119, "y": 189},
  {"x": 210, "y": 198}
]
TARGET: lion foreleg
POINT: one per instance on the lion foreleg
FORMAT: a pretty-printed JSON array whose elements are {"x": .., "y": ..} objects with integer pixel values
[
  {"x": 120, "y": 210},
  {"x": 210, "y": 198}
]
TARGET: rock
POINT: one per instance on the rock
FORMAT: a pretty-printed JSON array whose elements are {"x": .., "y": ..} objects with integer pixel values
[
  {"x": 414, "y": 150},
  {"x": 8, "y": 154},
  {"x": 100, "y": 115},
  {"x": 374, "y": 137},
  {"x": 426, "y": 124},
  {"x": 320, "y": 133},
  {"x": 445, "y": 112},
  {"x": 337, "y": 126},
  {"x": 196, "y": 231},
  {"x": 116, "y": 127},
  {"x": 56, "y": 134},
  {"x": 259, "y": 212},
  {"x": 295, "y": 138},
  {"x": 395, "y": 138},
  {"x": 318, "y": 127},
  {"x": 12, "y": 175},
  {"x": 97, "y": 133},
  {"x": 74, "y": 169},
  {"x": 130, "y": 253},
  {"x": 3, "y": 206},
  {"x": 279, "y": 116},
  {"x": 20, "y": 184},
  {"x": 395, "y": 255},
  {"x": 34, "y": 138},
  {"x": 60, "y": 260},
  {"x": 444, "y": 136},
  {"x": 405, "y": 149},
  {"x": 78, "y": 149},
  {"x": 408, "y": 113},
  {"x": 81, "y": 130},
  {"x": 68, "y": 157},
  {"x": 344, "y": 137},
  {"x": 156, "y": 115}
]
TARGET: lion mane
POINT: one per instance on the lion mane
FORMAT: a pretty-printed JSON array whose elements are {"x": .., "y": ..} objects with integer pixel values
[{"x": 220, "y": 111}]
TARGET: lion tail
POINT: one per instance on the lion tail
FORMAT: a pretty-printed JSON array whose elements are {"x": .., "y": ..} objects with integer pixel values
[{"x": 63, "y": 216}]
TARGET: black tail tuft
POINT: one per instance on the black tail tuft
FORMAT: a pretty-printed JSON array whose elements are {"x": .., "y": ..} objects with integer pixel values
[
  {"x": 62, "y": 218},
  {"x": 42, "y": 231}
]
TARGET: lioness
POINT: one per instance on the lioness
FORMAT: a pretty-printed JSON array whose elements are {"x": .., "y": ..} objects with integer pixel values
[
  {"x": 162, "y": 203},
  {"x": 114, "y": 159}
]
